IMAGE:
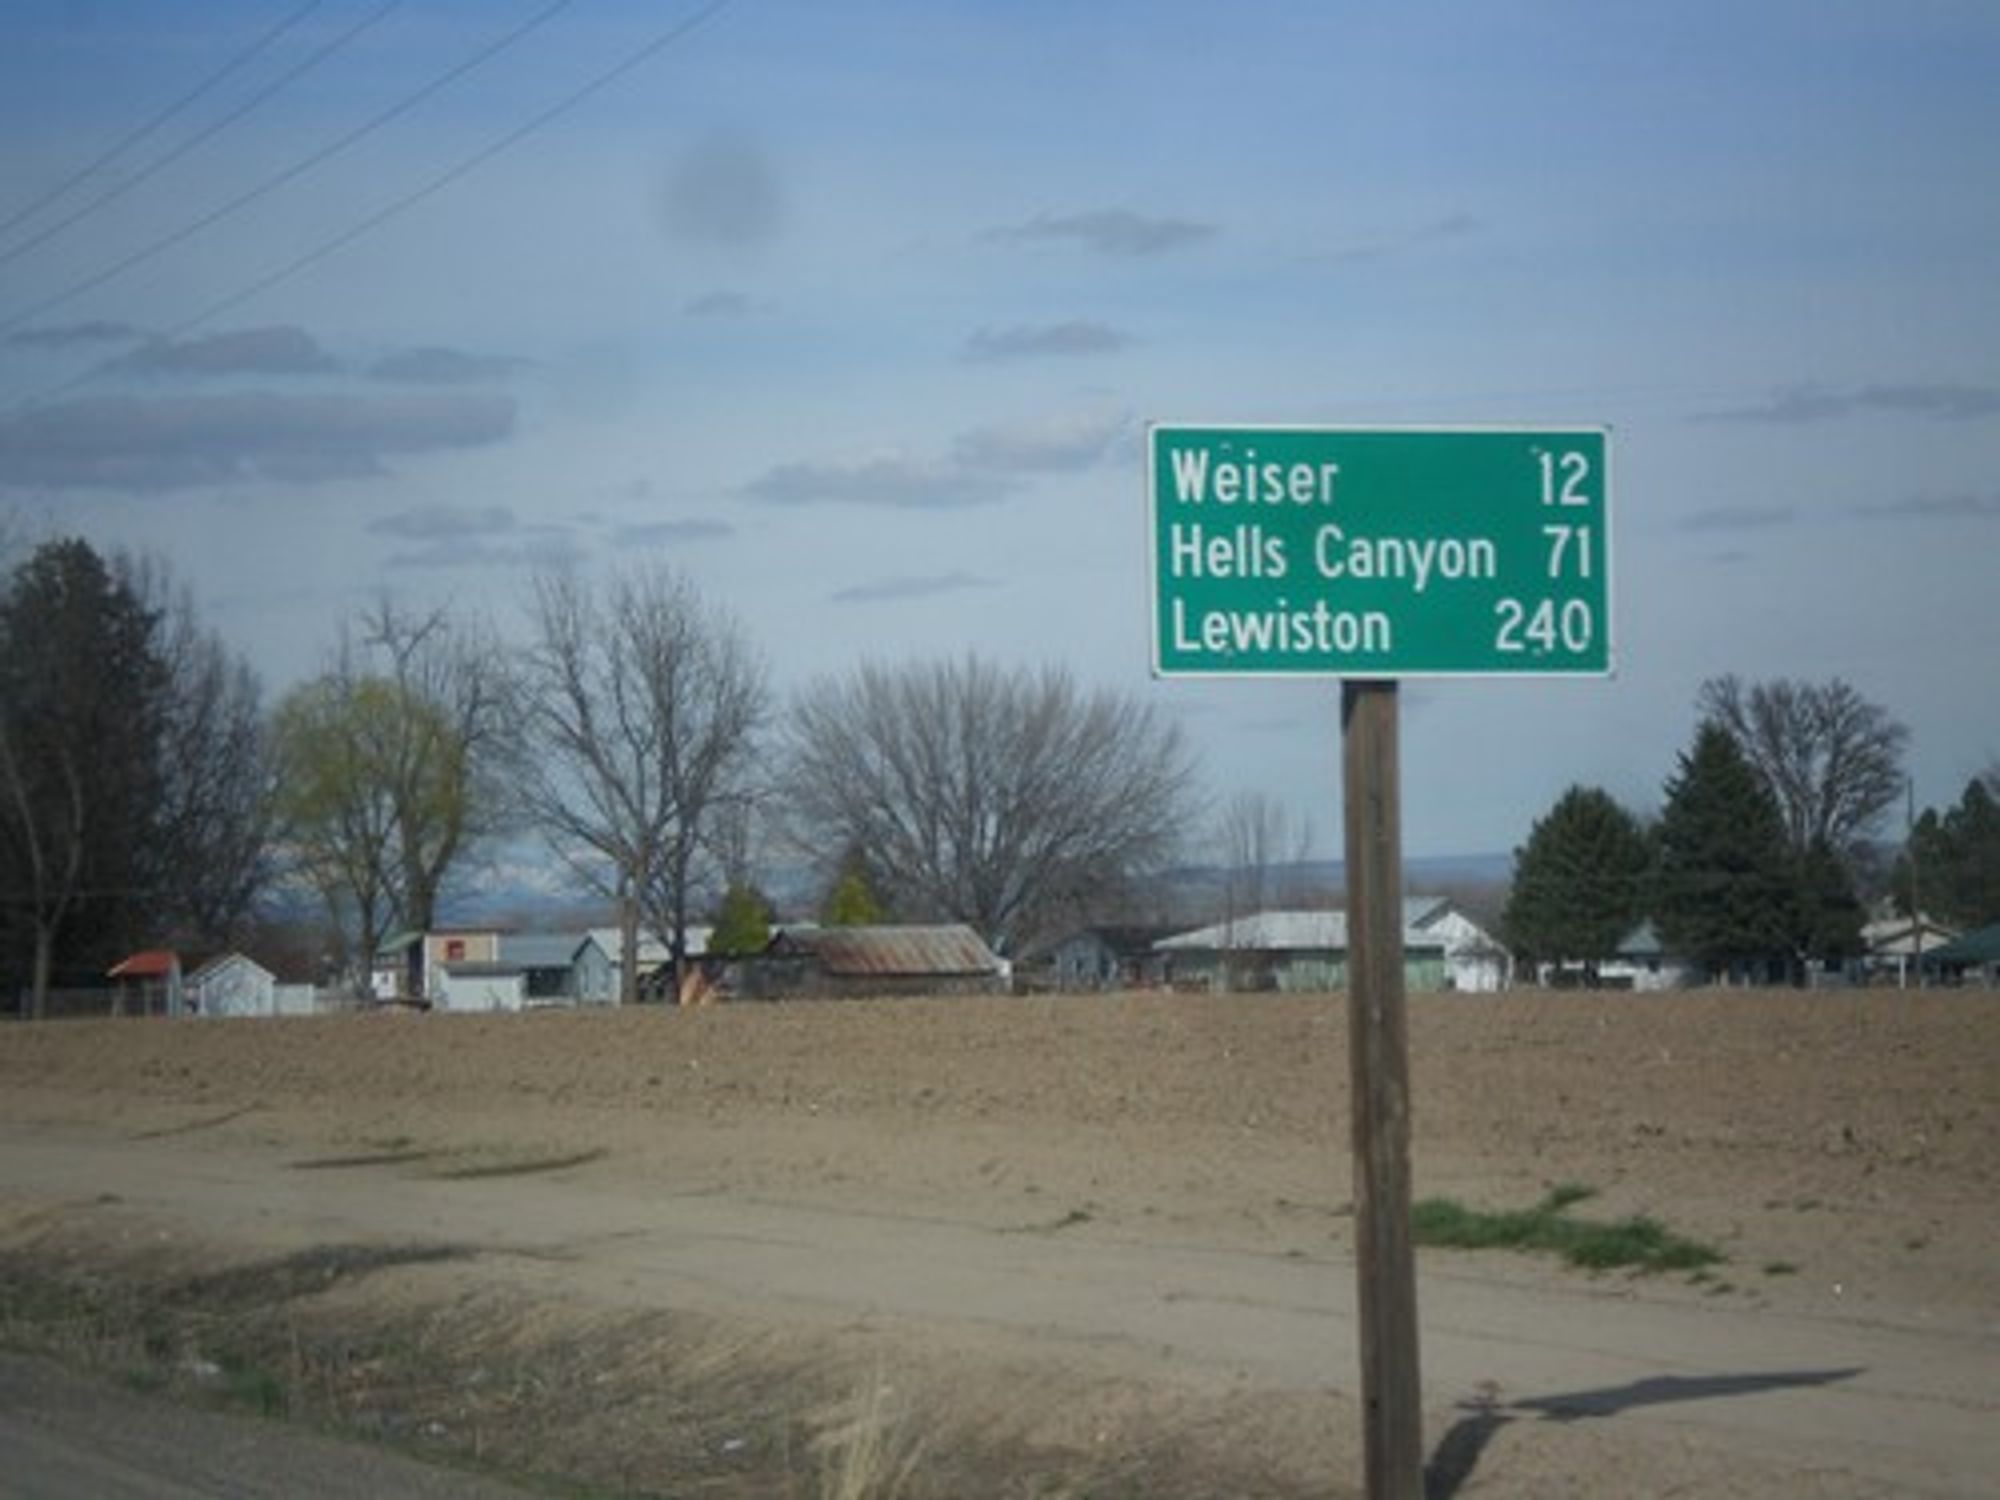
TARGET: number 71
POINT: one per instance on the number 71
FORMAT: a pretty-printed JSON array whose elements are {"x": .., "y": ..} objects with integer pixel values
[{"x": 1564, "y": 539}]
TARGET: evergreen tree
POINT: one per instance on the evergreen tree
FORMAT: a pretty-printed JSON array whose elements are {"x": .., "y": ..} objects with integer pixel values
[
  {"x": 1579, "y": 882},
  {"x": 1827, "y": 913},
  {"x": 1725, "y": 893},
  {"x": 850, "y": 903},
  {"x": 1914, "y": 882},
  {"x": 742, "y": 923},
  {"x": 83, "y": 703},
  {"x": 1957, "y": 860}
]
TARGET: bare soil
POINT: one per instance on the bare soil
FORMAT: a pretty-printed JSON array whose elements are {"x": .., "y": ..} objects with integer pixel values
[{"x": 1057, "y": 1246}]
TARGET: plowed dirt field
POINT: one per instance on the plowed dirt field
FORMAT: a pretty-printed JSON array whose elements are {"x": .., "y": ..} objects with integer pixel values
[{"x": 1031, "y": 1247}]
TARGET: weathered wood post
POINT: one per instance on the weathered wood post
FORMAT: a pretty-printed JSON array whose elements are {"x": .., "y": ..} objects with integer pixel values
[
  {"x": 1378, "y": 1048},
  {"x": 1371, "y": 554}
]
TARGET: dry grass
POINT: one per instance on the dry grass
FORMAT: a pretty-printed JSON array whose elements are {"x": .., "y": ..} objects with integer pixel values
[{"x": 871, "y": 1452}]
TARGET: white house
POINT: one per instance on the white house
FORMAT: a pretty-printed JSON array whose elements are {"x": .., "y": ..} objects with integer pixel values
[
  {"x": 598, "y": 964},
  {"x": 1643, "y": 963},
  {"x": 1898, "y": 945},
  {"x": 1109, "y": 957},
  {"x": 1307, "y": 950},
  {"x": 526, "y": 969},
  {"x": 231, "y": 985},
  {"x": 1474, "y": 960},
  {"x": 481, "y": 985},
  {"x": 411, "y": 965}
]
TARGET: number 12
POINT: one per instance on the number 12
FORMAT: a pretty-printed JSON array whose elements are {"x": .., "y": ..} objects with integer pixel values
[{"x": 1563, "y": 477}]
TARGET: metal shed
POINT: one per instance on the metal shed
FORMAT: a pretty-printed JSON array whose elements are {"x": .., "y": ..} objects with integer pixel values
[{"x": 939, "y": 959}]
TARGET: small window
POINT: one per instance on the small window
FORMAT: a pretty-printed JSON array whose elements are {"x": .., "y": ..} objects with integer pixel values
[{"x": 454, "y": 948}]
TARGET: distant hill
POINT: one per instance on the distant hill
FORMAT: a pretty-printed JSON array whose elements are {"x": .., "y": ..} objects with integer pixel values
[
  {"x": 1197, "y": 893},
  {"x": 1420, "y": 875},
  {"x": 522, "y": 890}
]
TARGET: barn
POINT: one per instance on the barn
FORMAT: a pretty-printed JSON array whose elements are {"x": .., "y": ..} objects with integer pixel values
[{"x": 836, "y": 962}]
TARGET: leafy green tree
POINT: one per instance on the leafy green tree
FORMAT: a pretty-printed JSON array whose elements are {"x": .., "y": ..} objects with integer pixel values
[
  {"x": 1580, "y": 882},
  {"x": 742, "y": 923},
  {"x": 388, "y": 769},
  {"x": 443, "y": 763},
  {"x": 1724, "y": 883},
  {"x": 336, "y": 740}
]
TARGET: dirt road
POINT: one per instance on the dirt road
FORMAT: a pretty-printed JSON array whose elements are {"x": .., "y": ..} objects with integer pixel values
[
  {"x": 1068, "y": 1247},
  {"x": 65, "y": 1436}
]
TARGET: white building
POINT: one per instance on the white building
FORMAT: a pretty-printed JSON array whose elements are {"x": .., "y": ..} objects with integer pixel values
[
  {"x": 1443, "y": 949},
  {"x": 231, "y": 985}
]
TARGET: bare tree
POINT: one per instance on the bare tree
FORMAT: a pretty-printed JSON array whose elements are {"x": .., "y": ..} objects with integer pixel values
[
  {"x": 1833, "y": 760},
  {"x": 213, "y": 843},
  {"x": 1257, "y": 834},
  {"x": 640, "y": 710},
  {"x": 442, "y": 762},
  {"x": 1003, "y": 799}
]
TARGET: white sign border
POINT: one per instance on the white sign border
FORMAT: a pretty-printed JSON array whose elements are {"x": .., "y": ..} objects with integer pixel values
[{"x": 1320, "y": 674}]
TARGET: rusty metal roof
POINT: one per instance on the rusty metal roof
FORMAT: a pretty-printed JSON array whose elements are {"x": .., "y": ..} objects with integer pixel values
[
  {"x": 894, "y": 950},
  {"x": 148, "y": 963}
]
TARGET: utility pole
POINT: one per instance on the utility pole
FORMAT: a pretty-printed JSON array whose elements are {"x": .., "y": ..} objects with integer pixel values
[{"x": 1916, "y": 911}]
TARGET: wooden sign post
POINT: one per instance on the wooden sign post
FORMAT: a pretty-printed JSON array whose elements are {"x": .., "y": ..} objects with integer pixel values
[
  {"x": 1373, "y": 554},
  {"x": 1379, "y": 1064}
]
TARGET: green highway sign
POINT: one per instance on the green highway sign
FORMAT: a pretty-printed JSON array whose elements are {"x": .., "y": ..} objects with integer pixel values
[{"x": 1379, "y": 552}]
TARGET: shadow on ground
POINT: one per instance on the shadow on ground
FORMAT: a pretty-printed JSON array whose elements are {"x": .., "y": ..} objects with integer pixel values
[{"x": 1458, "y": 1452}]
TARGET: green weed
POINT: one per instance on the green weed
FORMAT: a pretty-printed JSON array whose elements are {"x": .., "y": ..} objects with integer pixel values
[{"x": 1639, "y": 1241}]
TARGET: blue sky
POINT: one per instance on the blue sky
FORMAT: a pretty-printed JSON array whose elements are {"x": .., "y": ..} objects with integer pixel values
[{"x": 857, "y": 313}]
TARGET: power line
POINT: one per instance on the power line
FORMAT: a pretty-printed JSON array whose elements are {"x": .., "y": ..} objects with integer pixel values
[
  {"x": 453, "y": 173},
  {"x": 161, "y": 163},
  {"x": 417, "y": 195},
  {"x": 133, "y": 137},
  {"x": 297, "y": 169}
]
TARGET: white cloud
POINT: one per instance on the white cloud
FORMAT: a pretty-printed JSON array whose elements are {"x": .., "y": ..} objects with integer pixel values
[
  {"x": 1383, "y": 244},
  {"x": 724, "y": 191},
  {"x": 282, "y": 350},
  {"x": 439, "y": 522},
  {"x": 1066, "y": 441},
  {"x": 166, "y": 443},
  {"x": 910, "y": 586},
  {"x": 890, "y": 479},
  {"x": 1941, "y": 400},
  {"x": 1034, "y": 340},
  {"x": 721, "y": 303},
  {"x": 1740, "y": 518},
  {"x": 541, "y": 549},
  {"x": 1110, "y": 231},
  {"x": 432, "y": 365},
  {"x": 69, "y": 335},
  {"x": 668, "y": 533},
  {"x": 1961, "y": 507}
]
